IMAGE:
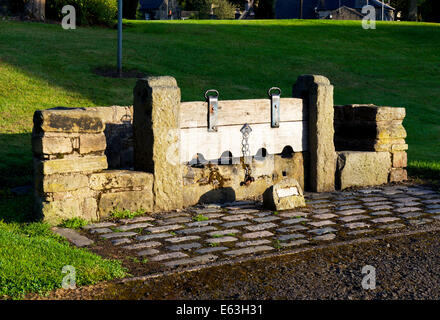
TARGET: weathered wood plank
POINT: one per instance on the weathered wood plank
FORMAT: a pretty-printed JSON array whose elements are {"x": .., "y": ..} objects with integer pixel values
[
  {"x": 229, "y": 138},
  {"x": 235, "y": 112}
]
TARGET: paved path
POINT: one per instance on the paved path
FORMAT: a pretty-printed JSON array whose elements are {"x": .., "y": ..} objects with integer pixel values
[{"x": 205, "y": 234}]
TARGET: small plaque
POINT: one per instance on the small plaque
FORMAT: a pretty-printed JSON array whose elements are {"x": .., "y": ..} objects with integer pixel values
[{"x": 286, "y": 192}]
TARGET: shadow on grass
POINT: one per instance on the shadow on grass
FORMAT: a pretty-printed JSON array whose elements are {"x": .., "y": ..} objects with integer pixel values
[
  {"x": 16, "y": 172},
  {"x": 425, "y": 170}
]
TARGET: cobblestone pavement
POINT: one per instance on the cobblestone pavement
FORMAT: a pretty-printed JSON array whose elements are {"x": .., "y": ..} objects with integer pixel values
[{"x": 204, "y": 234}]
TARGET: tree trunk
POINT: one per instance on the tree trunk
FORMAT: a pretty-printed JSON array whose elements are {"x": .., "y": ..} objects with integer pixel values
[
  {"x": 35, "y": 9},
  {"x": 412, "y": 10}
]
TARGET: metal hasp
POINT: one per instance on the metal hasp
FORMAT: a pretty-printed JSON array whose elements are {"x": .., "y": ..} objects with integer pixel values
[
  {"x": 212, "y": 109},
  {"x": 275, "y": 107}
]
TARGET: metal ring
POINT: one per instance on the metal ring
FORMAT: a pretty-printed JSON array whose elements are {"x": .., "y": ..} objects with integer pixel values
[
  {"x": 273, "y": 88},
  {"x": 210, "y": 90}
]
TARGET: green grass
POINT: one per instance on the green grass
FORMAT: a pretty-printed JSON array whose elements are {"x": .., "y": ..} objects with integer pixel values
[
  {"x": 74, "y": 223},
  {"x": 126, "y": 214},
  {"x": 200, "y": 217},
  {"x": 32, "y": 258}
]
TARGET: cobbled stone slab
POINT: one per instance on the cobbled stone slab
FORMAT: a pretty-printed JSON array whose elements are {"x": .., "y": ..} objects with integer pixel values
[
  {"x": 101, "y": 230},
  {"x": 235, "y": 224},
  {"x": 322, "y": 230},
  {"x": 117, "y": 242},
  {"x": 266, "y": 219},
  {"x": 148, "y": 252},
  {"x": 224, "y": 232},
  {"x": 385, "y": 220},
  {"x": 350, "y": 212},
  {"x": 137, "y": 219},
  {"x": 291, "y": 236},
  {"x": 230, "y": 231},
  {"x": 201, "y": 259},
  {"x": 99, "y": 225},
  {"x": 118, "y": 235},
  {"x": 164, "y": 228},
  {"x": 203, "y": 223},
  {"x": 134, "y": 226},
  {"x": 325, "y": 237},
  {"x": 196, "y": 230},
  {"x": 252, "y": 243},
  {"x": 294, "y": 214},
  {"x": 221, "y": 239},
  {"x": 211, "y": 249},
  {"x": 153, "y": 236},
  {"x": 73, "y": 237},
  {"x": 184, "y": 246},
  {"x": 294, "y": 243},
  {"x": 182, "y": 239},
  {"x": 143, "y": 245},
  {"x": 168, "y": 256},
  {"x": 250, "y": 250},
  {"x": 259, "y": 227},
  {"x": 259, "y": 234},
  {"x": 322, "y": 223}
]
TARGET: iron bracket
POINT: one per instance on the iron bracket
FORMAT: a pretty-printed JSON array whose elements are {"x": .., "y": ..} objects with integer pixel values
[
  {"x": 275, "y": 107},
  {"x": 212, "y": 109}
]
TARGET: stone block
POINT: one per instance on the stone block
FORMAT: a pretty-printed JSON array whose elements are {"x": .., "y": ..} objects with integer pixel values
[
  {"x": 67, "y": 120},
  {"x": 398, "y": 174},
  {"x": 126, "y": 200},
  {"x": 359, "y": 169},
  {"x": 121, "y": 179},
  {"x": 399, "y": 147},
  {"x": 92, "y": 143},
  {"x": 400, "y": 159},
  {"x": 64, "y": 182},
  {"x": 370, "y": 112},
  {"x": 42, "y": 145},
  {"x": 284, "y": 195},
  {"x": 70, "y": 165},
  {"x": 389, "y": 145},
  {"x": 317, "y": 94},
  {"x": 54, "y": 212},
  {"x": 390, "y": 130},
  {"x": 156, "y": 136}
]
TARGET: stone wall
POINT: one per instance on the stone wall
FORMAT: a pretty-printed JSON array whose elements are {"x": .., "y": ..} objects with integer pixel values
[
  {"x": 370, "y": 141},
  {"x": 72, "y": 148}
]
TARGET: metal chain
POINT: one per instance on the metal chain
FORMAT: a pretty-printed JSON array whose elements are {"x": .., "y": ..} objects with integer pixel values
[{"x": 245, "y": 160}]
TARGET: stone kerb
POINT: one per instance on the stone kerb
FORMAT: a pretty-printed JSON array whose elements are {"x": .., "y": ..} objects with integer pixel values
[{"x": 317, "y": 94}]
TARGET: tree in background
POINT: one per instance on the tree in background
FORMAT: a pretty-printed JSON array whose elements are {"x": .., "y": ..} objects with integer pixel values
[
  {"x": 412, "y": 10},
  {"x": 129, "y": 8},
  {"x": 265, "y": 9}
]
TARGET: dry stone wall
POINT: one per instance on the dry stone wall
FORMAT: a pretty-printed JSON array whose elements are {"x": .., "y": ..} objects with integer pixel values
[
  {"x": 375, "y": 139},
  {"x": 71, "y": 149}
]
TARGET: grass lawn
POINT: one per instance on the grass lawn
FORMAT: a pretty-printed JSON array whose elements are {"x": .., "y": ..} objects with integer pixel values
[{"x": 43, "y": 66}]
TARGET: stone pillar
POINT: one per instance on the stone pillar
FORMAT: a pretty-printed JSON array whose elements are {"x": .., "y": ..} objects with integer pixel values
[
  {"x": 317, "y": 94},
  {"x": 157, "y": 138}
]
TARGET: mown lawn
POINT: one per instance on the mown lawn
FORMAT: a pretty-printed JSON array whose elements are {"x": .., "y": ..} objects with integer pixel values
[{"x": 43, "y": 66}]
